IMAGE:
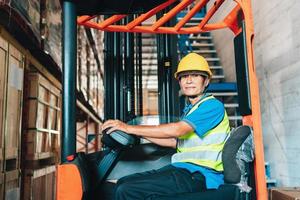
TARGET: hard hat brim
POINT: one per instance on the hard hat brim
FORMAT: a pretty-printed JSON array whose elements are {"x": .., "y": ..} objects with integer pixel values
[{"x": 202, "y": 73}]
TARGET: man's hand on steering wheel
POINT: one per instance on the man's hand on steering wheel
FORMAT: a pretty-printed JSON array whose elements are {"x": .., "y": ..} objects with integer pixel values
[{"x": 112, "y": 125}]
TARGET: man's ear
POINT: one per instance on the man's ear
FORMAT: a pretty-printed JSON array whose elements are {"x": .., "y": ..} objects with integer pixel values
[{"x": 206, "y": 82}]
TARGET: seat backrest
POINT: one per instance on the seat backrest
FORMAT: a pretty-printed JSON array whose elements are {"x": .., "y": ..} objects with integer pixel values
[{"x": 232, "y": 172}]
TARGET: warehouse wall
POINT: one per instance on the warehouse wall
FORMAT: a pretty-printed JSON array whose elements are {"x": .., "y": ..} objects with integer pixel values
[
  {"x": 277, "y": 54},
  {"x": 277, "y": 49}
]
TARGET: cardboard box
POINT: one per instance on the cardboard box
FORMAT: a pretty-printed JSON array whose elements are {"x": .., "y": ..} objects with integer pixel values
[{"x": 288, "y": 193}]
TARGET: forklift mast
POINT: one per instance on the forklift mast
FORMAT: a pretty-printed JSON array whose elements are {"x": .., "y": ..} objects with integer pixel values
[{"x": 239, "y": 20}]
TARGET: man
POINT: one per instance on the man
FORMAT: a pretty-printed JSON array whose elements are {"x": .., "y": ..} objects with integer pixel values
[{"x": 199, "y": 138}]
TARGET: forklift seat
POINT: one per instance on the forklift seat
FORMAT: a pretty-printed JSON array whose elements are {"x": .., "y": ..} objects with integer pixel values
[{"x": 232, "y": 172}]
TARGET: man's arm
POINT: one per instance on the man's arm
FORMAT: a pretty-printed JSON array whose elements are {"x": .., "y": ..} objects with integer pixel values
[
  {"x": 170, "y": 130},
  {"x": 166, "y": 142}
]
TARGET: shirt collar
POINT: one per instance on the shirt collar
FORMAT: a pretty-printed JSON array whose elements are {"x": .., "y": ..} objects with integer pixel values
[{"x": 189, "y": 106}]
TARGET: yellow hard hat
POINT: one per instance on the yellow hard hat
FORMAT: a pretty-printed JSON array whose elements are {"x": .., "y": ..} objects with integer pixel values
[{"x": 193, "y": 62}]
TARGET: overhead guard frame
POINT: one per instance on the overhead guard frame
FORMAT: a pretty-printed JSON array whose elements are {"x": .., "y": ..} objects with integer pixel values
[{"x": 241, "y": 12}]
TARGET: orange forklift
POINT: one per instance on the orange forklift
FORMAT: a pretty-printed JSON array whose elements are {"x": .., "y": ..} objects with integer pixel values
[{"x": 81, "y": 176}]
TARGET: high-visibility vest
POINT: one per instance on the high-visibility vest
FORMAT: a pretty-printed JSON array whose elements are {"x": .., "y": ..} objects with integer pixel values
[{"x": 205, "y": 151}]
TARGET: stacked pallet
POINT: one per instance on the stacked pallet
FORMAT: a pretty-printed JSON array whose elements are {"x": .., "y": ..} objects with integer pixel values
[
  {"x": 43, "y": 122},
  {"x": 150, "y": 105},
  {"x": 11, "y": 96},
  {"x": 90, "y": 64},
  {"x": 90, "y": 87},
  {"x": 42, "y": 125},
  {"x": 3, "y": 54},
  {"x": 51, "y": 29},
  {"x": 88, "y": 140},
  {"x": 12, "y": 185},
  {"x": 40, "y": 183}
]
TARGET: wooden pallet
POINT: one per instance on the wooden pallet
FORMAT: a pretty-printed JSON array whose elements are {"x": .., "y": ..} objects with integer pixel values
[
  {"x": 3, "y": 69},
  {"x": 39, "y": 184},
  {"x": 42, "y": 144},
  {"x": 2, "y": 185},
  {"x": 12, "y": 185},
  {"x": 84, "y": 129},
  {"x": 44, "y": 103},
  {"x": 89, "y": 72},
  {"x": 11, "y": 97},
  {"x": 43, "y": 122}
]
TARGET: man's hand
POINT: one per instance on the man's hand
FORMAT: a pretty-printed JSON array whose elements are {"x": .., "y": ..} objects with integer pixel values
[{"x": 112, "y": 125}]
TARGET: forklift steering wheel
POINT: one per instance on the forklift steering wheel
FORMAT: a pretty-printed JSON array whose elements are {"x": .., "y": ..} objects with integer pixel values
[{"x": 122, "y": 139}]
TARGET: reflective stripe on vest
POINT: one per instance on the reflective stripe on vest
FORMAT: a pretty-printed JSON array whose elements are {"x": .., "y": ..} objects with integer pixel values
[{"x": 205, "y": 151}]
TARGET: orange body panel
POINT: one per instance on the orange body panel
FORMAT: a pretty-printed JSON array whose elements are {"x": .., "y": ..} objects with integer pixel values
[{"x": 69, "y": 185}]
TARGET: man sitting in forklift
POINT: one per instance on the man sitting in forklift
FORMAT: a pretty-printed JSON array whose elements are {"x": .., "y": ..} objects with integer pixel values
[{"x": 199, "y": 138}]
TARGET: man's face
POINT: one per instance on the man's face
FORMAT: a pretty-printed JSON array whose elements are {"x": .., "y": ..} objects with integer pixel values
[{"x": 192, "y": 83}]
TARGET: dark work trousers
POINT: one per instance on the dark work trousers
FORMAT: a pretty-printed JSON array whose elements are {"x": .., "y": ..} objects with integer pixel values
[{"x": 154, "y": 184}]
